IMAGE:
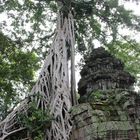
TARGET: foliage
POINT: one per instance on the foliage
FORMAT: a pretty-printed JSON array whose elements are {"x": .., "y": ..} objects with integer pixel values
[
  {"x": 111, "y": 96},
  {"x": 36, "y": 120},
  {"x": 96, "y": 95},
  {"x": 28, "y": 23},
  {"x": 95, "y": 19},
  {"x": 17, "y": 69},
  {"x": 129, "y": 53},
  {"x": 101, "y": 20}
]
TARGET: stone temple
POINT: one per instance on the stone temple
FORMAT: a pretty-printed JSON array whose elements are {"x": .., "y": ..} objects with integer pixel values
[{"x": 109, "y": 108}]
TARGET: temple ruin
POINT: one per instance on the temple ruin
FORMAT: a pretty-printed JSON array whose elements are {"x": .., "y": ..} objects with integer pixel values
[{"x": 109, "y": 107}]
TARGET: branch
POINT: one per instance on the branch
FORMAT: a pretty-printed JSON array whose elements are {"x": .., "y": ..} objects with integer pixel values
[{"x": 20, "y": 129}]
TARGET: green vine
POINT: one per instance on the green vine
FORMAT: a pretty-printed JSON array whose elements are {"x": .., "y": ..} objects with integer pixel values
[{"x": 35, "y": 121}]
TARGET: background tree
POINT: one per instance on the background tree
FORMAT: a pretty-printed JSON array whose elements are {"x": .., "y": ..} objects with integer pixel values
[{"x": 17, "y": 71}]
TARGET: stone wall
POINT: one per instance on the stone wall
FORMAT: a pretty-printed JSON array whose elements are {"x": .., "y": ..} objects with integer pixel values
[{"x": 107, "y": 120}]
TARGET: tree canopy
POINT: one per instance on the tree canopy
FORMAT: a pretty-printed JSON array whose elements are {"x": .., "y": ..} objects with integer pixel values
[
  {"x": 17, "y": 71},
  {"x": 32, "y": 21}
]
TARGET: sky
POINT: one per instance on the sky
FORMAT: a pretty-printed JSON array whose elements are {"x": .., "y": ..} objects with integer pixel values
[{"x": 132, "y": 6}]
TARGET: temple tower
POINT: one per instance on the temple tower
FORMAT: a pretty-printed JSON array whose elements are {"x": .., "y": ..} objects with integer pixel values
[{"x": 102, "y": 71}]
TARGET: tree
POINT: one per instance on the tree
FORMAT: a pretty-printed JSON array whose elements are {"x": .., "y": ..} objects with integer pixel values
[
  {"x": 51, "y": 91},
  {"x": 94, "y": 20},
  {"x": 17, "y": 71},
  {"x": 129, "y": 53}
]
